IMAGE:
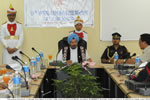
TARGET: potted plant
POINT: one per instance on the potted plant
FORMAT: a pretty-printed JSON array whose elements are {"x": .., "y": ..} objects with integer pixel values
[{"x": 79, "y": 83}]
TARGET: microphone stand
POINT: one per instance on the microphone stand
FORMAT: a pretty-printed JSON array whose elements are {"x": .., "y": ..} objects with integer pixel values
[
  {"x": 22, "y": 69},
  {"x": 25, "y": 55},
  {"x": 23, "y": 63},
  {"x": 8, "y": 89},
  {"x": 42, "y": 66}
]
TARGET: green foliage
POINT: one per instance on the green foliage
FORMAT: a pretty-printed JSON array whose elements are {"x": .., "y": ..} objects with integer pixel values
[{"x": 79, "y": 84}]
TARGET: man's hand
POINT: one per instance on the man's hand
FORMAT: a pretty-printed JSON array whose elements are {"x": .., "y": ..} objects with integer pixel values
[
  {"x": 120, "y": 61},
  {"x": 129, "y": 61},
  {"x": 105, "y": 61},
  {"x": 69, "y": 62},
  {"x": 11, "y": 50},
  {"x": 14, "y": 50},
  {"x": 111, "y": 60}
]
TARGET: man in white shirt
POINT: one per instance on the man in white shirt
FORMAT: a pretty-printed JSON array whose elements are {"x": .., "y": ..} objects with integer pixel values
[
  {"x": 144, "y": 43},
  {"x": 11, "y": 36},
  {"x": 73, "y": 53},
  {"x": 78, "y": 29}
]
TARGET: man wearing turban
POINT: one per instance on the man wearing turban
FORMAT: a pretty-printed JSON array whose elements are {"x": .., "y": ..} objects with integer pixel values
[{"x": 73, "y": 53}]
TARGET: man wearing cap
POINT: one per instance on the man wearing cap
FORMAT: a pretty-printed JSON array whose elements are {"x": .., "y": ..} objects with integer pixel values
[
  {"x": 11, "y": 36},
  {"x": 73, "y": 53},
  {"x": 108, "y": 55},
  {"x": 78, "y": 29}
]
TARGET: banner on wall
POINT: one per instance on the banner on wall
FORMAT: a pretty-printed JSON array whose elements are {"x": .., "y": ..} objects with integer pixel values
[{"x": 58, "y": 13}]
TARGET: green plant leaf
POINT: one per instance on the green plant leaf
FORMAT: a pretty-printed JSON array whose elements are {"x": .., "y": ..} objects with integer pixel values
[{"x": 79, "y": 84}]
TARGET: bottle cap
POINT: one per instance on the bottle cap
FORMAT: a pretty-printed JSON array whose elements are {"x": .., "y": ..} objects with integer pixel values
[{"x": 26, "y": 63}]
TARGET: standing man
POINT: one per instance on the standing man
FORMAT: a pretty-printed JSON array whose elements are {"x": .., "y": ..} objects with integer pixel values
[
  {"x": 12, "y": 36},
  {"x": 108, "y": 55},
  {"x": 78, "y": 29}
]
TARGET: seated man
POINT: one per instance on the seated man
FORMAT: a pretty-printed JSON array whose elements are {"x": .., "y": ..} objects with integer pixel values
[
  {"x": 73, "y": 53},
  {"x": 144, "y": 43},
  {"x": 108, "y": 55}
]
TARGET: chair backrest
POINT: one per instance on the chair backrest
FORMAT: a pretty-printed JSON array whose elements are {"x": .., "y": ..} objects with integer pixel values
[{"x": 63, "y": 43}]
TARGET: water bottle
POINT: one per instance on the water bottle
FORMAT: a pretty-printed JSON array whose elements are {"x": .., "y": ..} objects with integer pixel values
[
  {"x": 33, "y": 65},
  {"x": 38, "y": 64},
  {"x": 42, "y": 57},
  {"x": 17, "y": 85},
  {"x": 138, "y": 61},
  {"x": 116, "y": 56},
  {"x": 26, "y": 69}
]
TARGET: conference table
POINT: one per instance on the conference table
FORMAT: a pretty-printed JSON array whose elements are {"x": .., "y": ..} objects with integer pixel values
[
  {"x": 108, "y": 77},
  {"x": 36, "y": 86}
]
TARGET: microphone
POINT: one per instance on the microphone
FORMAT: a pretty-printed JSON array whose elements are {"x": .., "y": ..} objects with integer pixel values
[
  {"x": 134, "y": 54},
  {"x": 25, "y": 55},
  {"x": 35, "y": 51},
  {"x": 55, "y": 62},
  {"x": 24, "y": 92},
  {"x": 57, "y": 55},
  {"x": 42, "y": 66},
  {"x": 14, "y": 58}
]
